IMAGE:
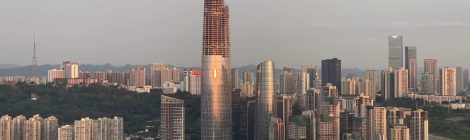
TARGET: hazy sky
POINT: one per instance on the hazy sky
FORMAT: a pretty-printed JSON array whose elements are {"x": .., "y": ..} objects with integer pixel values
[{"x": 291, "y": 32}]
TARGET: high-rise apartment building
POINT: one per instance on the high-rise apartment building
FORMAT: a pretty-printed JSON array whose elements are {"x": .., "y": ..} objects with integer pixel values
[
  {"x": 266, "y": 98},
  {"x": 430, "y": 67},
  {"x": 399, "y": 132},
  {"x": 85, "y": 129},
  {"x": 54, "y": 74},
  {"x": 419, "y": 125},
  {"x": 162, "y": 74},
  {"x": 70, "y": 69},
  {"x": 6, "y": 128},
  {"x": 401, "y": 83},
  {"x": 395, "y": 51},
  {"x": 375, "y": 79},
  {"x": 50, "y": 126},
  {"x": 448, "y": 82},
  {"x": 411, "y": 64},
  {"x": 33, "y": 128},
  {"x": 376, "y": 123},
  {"x": 331, "y": 72},
  {"x": 19, "y": 130},
  {"x": 137, "y": 78},
  {"x": 65, "y": 132},
  {"x": 350, "y": 86},
  {"x": 172, "y": 119}
]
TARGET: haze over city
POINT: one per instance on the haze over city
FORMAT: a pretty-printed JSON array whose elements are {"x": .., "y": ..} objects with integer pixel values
[{"x": 289, "y": 32}]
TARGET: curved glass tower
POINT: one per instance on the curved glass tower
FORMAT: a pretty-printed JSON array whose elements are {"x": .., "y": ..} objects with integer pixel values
[
  {"x": 216, "y": 102},
  {"x": 266, "y": 99}
]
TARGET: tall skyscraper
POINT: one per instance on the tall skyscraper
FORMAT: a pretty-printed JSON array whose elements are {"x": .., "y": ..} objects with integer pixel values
[
  {"x": 411, "y": 64},
  {"x": 216, "y": 102},
  {"x": 137, "y": 78},
  {"x": 172, "y": 118},
  {"x": 448, "y": 82},
  {"x": 350, "y": 86},
  {"x": 266, "y": 99},
  {"x": 401, "y": 83},
  {"x": 395, "y": 51},
  {"x": 427, "y": 84},
  {"x": 430, "y": 67},
  {"x": 331, "y": 72},
  {"x": 419, "y": 125}
]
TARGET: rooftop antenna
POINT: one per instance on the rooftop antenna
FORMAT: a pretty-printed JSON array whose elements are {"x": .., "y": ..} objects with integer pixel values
[{"x": 34, "y": 65}]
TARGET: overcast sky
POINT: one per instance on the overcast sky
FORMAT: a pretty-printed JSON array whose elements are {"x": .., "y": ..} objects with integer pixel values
[{"x": 291, "y": 32}]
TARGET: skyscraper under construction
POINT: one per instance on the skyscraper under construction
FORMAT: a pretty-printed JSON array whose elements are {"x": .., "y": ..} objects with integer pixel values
[{"x": 216, "y": 103}]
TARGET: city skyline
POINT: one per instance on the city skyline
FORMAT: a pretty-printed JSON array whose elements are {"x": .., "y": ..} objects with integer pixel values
[{"x": 59, "y": 41}]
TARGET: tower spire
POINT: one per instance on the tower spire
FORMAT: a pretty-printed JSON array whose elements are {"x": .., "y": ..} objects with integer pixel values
[{"x": 34, "y": 64}]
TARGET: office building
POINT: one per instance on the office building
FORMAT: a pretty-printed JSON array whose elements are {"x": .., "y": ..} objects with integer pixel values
[
  {"x": 448, "y": 82},
  {"x": 466, "y": 79},
  {"x": 266, "y": 98},
  {"x": 235, "y": 79},
  {"x": 287, "y": 81},
  {"x": 459, "y": 79},
  {"x": 331, "y": 72},
  {"x": 216, "y": 106},
  {"x": 430, "y": 67},
  {"x": 172, "y": 118},
  {"x": 137, "y": 77},
  {"x": 388, "y": 83},
  {"x": 411, "y": 64},
  {"x": 313, "y": 78},
  {"x": 192, "y": 81},
  {"x": 395, "y": 52},
  {"x": 427, "y": 84}
]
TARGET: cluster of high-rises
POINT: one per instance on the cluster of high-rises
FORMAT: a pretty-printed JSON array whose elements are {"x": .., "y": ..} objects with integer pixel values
[{"x": 38, "y": 128}]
